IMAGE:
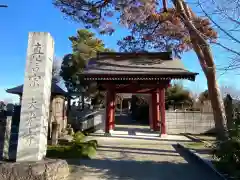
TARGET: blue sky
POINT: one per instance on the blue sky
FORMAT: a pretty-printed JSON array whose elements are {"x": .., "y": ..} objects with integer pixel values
[{"x": 26, "y": 16}]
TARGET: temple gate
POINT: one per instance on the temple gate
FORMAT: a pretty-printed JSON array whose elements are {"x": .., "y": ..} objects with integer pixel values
[{"x": 149, "y": 73}]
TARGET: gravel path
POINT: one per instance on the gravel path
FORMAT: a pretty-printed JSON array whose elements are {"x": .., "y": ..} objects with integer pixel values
[
  {"x": 139, "y": 158},
  {"x": 135, "y": 153}
]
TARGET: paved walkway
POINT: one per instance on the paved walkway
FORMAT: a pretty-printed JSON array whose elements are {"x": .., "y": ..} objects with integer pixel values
[{"x": 139, "y": 157}]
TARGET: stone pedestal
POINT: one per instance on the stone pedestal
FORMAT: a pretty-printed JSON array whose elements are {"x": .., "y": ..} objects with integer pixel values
[
  {"x": 33, "y": 127},
  {"x": 49, "y": 169}
]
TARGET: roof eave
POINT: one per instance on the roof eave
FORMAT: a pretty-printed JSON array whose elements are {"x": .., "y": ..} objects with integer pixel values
[
  {"x": 103, "y": 77},
  {"x": 16, "y": 93}
]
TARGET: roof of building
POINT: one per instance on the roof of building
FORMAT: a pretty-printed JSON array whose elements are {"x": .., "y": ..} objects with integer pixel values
[
  {"x": 55, "y": 90},
  {"x": 158, "y": 65}
]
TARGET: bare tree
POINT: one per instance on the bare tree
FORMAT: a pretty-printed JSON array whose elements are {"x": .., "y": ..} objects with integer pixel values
[
  {"x": 205, "y": 57},
  {"x": 225, "y": 17}
]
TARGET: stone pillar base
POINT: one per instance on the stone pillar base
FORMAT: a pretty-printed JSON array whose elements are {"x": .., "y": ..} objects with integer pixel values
[
  {"x": 163, "y": 135},
  {"x": 108, "y": 133},
  {"x": 48, "y": 169}
]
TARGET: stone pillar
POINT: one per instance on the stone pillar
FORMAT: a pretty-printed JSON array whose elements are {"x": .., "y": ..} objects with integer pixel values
[
  {"x": 50, "y": 120},
  {"x": 162, "y": 110},
  {"x": 33, "y": 127},
  {"x": 155, "y": 111},
  {"x": 110, "y": 111},
  {"x": 55, "y": 133},
  {"x": 7, "y": 137}
]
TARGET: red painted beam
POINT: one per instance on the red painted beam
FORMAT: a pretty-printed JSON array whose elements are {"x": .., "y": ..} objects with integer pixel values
[
  {"x": 139, "y": 88},
  {"x": 141, "y": 91},
  {"x": 150, "y": 113}
]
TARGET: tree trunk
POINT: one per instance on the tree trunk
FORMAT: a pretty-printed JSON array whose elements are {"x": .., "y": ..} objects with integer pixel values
[
  {"x": 217, "y": 106},
  {"x": 203, "y": 51}
]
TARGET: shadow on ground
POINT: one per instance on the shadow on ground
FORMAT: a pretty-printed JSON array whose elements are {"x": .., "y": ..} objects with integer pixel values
[
  {"x": 107, "y": 169},
  {"x": 137, "y": 151},
  {"x": 124, "y": 119},
  {"x": 139, "y": 137}
]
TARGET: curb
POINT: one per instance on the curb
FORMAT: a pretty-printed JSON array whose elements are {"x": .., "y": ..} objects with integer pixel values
[
  {"x": 196, "y": 139},
  {"x": 193, "y": 138},
  {"x": 207, "y": 163}
]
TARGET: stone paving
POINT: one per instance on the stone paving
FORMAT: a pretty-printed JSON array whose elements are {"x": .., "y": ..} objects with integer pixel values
[{"x": 133, "y": 154}]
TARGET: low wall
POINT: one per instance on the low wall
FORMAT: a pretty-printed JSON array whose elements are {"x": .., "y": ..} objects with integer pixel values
[
  {"x": 96, "y": 121},
  {"x": 87, "y": 119},
  {"x": 194, "y": 122}
]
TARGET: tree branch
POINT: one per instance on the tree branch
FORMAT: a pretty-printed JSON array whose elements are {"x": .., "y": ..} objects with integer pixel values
[
  {"x": 216, "y": 24},
  {"x": 194, "y": 33}
]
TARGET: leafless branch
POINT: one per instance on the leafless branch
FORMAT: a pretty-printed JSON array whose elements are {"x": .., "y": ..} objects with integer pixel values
[{"x": 216, "y": 24}]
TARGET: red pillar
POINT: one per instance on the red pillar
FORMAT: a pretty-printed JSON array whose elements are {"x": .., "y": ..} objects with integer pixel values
[
  {"x": 150, "y": 113},
  {"x": 110, "y": 111},
  {"x": 162, "y": 110},
  {"x": 155, "y": 111}
]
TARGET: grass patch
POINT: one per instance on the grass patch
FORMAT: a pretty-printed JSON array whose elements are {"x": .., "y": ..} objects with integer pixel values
[
  {"x": 76, "y": 149},
  {"x": 195, "y": 145}
]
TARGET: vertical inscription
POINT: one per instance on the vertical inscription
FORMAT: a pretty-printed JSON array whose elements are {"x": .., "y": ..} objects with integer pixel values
[
  {"x": 33, "y": 127},
  {"x": 32, "y": 115},
  {"x": 34, "y": 78},
  {"x": 36, "y": 59}
]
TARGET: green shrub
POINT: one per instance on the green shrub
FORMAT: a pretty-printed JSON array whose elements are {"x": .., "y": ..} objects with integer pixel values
[
  {"x": 88, "y": 150},
  {"x": 94, "y": 143},
  {"x": 75, "y": 150},
  {"x": 227, "y": 153},
  {"x": 78, "y": 137}
]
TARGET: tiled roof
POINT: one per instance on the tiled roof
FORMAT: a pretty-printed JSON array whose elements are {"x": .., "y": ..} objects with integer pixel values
[
  {"x": 55, "y": 90},
  {"x": 136, "y": 65}
]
